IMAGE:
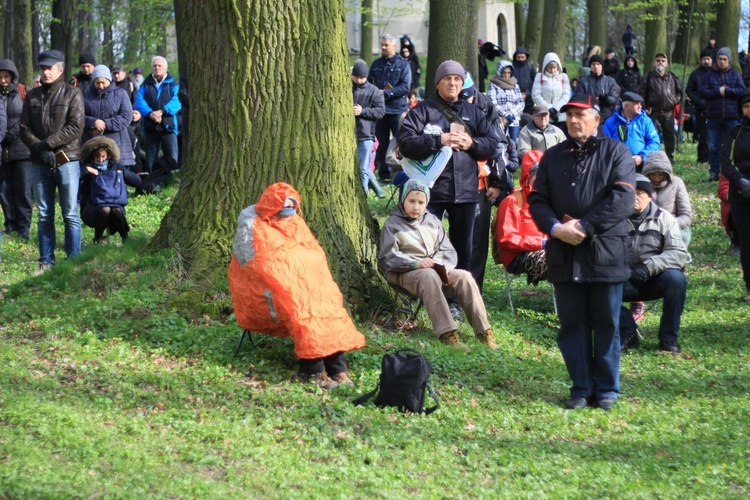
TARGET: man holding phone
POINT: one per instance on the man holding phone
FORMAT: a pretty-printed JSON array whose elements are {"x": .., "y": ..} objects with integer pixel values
[{"x": 52, "y": 122}]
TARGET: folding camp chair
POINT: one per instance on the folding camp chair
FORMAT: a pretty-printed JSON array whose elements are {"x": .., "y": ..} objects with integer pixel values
[{"x": 405, "y": 304}]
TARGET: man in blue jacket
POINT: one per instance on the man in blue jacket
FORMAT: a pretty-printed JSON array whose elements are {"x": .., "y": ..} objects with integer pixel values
[
  {"x": 159, "y": 104},
  {"x": 720, "y": 89},
  {"x": 630, "y": 125},
  {"x": 392, "y": 75},
  {"x": 583, "y": 195}
]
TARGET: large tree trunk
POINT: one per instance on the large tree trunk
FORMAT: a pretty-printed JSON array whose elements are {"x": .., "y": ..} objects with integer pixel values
[
  {"x": 520, "y": 15},
  {"x": 729, "y": 13},
  {"x": 691, "y": 39},
  {"x": 262, "y": 122},
  {"x": 453, "y": 35},
  {"x": 61, "y": 33},
  {"x": 365, "y": 31},
  {"x": 597, "y": 23},
  {"x": 22, "y": 41},
  {"x": 553, "y": 29},
  {"x": 656, "y": 34},
  {"x": 534, "y": 30}
]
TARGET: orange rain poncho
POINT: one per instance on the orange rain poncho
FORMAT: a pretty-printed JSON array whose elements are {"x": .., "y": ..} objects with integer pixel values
[{"x": 280, "y": 281}]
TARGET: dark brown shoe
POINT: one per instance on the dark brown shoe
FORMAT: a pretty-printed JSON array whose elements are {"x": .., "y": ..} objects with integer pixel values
[
  {"x": 321, "y": 379},
  {"x": 343, "y": 379}
]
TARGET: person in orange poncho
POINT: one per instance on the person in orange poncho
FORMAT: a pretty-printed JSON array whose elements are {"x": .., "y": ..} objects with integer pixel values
[
  {"x": 519, "y": 241},
  {"x": 281, "y": 285}
]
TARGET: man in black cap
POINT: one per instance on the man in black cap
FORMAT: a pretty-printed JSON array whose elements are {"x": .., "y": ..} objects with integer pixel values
[
  {"x": 630, "y": 125},
  {"x": 693, "y": 92},
  {"x": 82, "y": 79},
  {"x": 661, "y": 92},
  {"x": 539, "y": 133},
  {"x": 583, "y": 195},
  {"x": 657, "y": 255},
  {"x": 601, "y": 87},
  {"x": 369, "y": 107},
  {"x": 52, "y": 122}
]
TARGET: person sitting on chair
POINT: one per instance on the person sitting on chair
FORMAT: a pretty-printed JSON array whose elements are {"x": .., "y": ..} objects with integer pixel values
[
  {"x": 517, "y": 239},
  {"x": 417, "y": 256},
  {"x": 657, "y": 256}
]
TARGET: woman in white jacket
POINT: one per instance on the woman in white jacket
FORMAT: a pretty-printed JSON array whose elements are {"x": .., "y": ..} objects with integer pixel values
[{"x": 551, "y": 88}]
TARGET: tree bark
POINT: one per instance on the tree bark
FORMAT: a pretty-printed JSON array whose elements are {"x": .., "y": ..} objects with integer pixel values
[
  {"x": 22, "y": 41},
  {"x": 597, "y": 23},
  {"x": 534, "y": 29},
  {"x": 553, "y": 29},
  {"x": 520, "y": 15},
  {"x": 656, "y": 33},
  {"x": 729, "y": 12},
  {"x": 695, "y": 38},
  {"x": 453, "y": 35},
  {"x": 61, "y": 33},
  {"x": 365, "y": 33},
  {"x": 34, "y": 29},
  {"x": 8, "y": 31},
  {"x": 261, "y": 123}
]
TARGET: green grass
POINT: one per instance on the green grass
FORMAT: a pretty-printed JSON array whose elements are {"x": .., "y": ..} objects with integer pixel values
[{"x": 112, "y": 386}]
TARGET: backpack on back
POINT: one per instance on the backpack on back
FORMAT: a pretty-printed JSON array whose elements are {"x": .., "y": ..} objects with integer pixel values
[{"x": 404, "y": 382}]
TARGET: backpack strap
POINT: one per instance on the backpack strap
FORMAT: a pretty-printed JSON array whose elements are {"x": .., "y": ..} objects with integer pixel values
[
  {"x": 366, "y": 397},
  {"x": 433, "y": 396},
  {"x": 22, "y": 91},
  {"x": 451, "y": 115}
]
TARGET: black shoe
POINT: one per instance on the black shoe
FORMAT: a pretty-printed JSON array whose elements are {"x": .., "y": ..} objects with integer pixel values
[
  {"x": 713, "y": 177},
  {"x": 669, "y": 347},
  {"x": 605, "y": 403},
  {"x": 629, "y": 341},
  {"x": 576, "y": 403}
]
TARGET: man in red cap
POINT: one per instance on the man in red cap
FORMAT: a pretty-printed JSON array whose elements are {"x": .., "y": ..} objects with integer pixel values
[{"x": 582, "y": 197}]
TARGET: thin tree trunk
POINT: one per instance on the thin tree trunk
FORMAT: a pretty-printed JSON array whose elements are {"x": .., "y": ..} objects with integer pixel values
[
  {"x": 365, "y": 33},
  {"x": 553, "y": 30},
  {"x": 133, "y": 36},
  {"x": 22, "y": 41},
  {"x": 61, "y": 33},
  {"x": 656, "y": 33},
  {"x": 34, "y": 28},
  {"x": 260, "y": 123},
  {"x": 520, "y": 16},
  {"x": 106, "y": 18},
  {"x": 597, "y": 23},
  {"x": 534, "y": 29},
  {"x": 8, "y": 35},
  {"x": 729, "y": 12},
  {"x": 453, "y": 35},
  {"x": 82, "y": 17}
]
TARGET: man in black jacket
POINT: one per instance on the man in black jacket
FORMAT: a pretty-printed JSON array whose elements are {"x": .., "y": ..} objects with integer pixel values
[
  {"x": 82, "y": 79},
  {"x": 692, "y": 90},
  {"x": 602, "y": 88},
  {"x": 369, "y": 106},
  {"x": 525, "y": 74},
  {"x": 661, "y": 92},
  {"x": 582, "y": 198}
]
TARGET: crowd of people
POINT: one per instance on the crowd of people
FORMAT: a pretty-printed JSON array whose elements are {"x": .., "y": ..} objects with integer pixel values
[{"x": 81, "y": 141}]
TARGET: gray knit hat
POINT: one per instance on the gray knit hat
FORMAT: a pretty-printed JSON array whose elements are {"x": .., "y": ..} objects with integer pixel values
[
  {"x": 724, "y": 51},
  {"x": 360, "y": 69},
  {"x": 101, "y": 71},
  {"x": 415, "y": 185},
  {"x": 449, "y": 68}
]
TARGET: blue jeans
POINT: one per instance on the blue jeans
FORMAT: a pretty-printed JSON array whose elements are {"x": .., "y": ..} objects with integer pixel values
[
  {"x": 364, "y": 150},
  {"x": 44, "y": 181},
  {"x": 153, "y": 140},
  {"x": 717, "y": 129},
  {"x": 669, "y": 285},
  {"x": 593, "y": 363},
  {"x": 513, "y": 133}
]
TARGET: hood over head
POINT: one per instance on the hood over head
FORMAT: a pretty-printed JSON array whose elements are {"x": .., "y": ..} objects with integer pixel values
[
  {"x": 7, "y": 65},
  {"x": 93, "y": 145},
  {"x": 551, "y": 57},
  {"x": 635, "y": 63},
  {"x": 530, "y": 159},
  {"x": 278, "y": 199},
  {"x": 657, "y": 161}
]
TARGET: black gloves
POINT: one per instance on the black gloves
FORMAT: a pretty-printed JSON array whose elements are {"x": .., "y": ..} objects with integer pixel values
[
  {"x": 640, "y": 274},
  {"x": 43, "y": 154},
  {"x": 553, "y": 114},
  {"x": 745, "y": 188},
  {"x": 39, "y": 148},
  {"x": 47, "y": 159},
  {"x": 603, "y": 100}
]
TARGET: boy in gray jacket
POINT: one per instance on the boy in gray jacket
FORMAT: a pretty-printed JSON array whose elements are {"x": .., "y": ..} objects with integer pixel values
[{"x": 415, "y": 251}]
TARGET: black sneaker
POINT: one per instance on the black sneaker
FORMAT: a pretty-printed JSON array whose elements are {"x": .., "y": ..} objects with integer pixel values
[
  {"x": 605, "y": 403},
  {"x": 669, "y": 347},
  {"x": 576, "y": 403}
]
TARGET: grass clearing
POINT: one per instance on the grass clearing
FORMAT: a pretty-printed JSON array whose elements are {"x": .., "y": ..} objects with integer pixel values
[{"x": 111, "y": 386}]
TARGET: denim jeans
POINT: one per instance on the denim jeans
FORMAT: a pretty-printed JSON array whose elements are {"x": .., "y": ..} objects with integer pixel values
[
  {"x": 671, "y": 286},
  {"x": 364, "y": 150},
  {"x": 44, "y": 181},
  {"x": 513, "y": 133},
  {"x": 593, "y": 363},
  {"x": 168, "y": 143},
  {"x": 717, "y": 129}
]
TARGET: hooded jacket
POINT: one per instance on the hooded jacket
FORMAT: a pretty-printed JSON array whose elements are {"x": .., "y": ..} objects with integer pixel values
[
  {"x": 639, "y": 135},
  {"x": 405, "y": 241},
  {"x": 525, "y": 74},
  {"x": 594, "y": 183},
  {"x": 165, "y": 97},
  {"x": 515, "y": 230},
  {"x": 670, "y": 194},
  {"x": 656, "y": 242},
  {"x": 460, "y": 178},
  {"x": 54, "y": 114},
  {"x": 13, "y": 148},
  {"x": 112, "y": 105},
  {"x": 604, "y": 89},
  {"x": 549, "y": 90},
  {"x": 721, "y": 107},
  {"x": 93, "y": 189},
  {"x": 629, "y": 79},
  {"x": 505, "y": 96},
  {"x": 373, "y": 108}
]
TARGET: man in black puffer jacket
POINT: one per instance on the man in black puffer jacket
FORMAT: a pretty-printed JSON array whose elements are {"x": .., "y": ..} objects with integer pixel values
[
  {"x": 602, "y": 88},
  {"x": 15, "y": 173},
  {"x": 583, "y": 195}
]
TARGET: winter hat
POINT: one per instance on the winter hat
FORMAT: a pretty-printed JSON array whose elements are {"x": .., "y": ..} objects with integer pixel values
[
  {"x": 449, "y": 68},
  {"x": 360, "y": 69},
  {"x": 101, "y": 71},
  {"x": 415, "y": 185},
  {"x": 609, "y": 51},
  {"x": 744, "y": 97},
  {"x": 707, "y": 53},
  {"x": 86, "y": 58},
  {"x": 596, "y": 58},
  {"x": 643, "y": 183},
  {"x": 137, "y": 71},
  {"x": 469, "y": 89},
  {"x": 724, "y": 51}
]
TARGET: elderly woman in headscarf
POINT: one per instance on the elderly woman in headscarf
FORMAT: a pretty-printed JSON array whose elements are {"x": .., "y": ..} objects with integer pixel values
[{"x": 506, "y": 97}]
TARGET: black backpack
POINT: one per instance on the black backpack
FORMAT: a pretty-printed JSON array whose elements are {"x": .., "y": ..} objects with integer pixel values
[
  {"x": 404, "y": 381},
  {"x": 160, "y": 173}
]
